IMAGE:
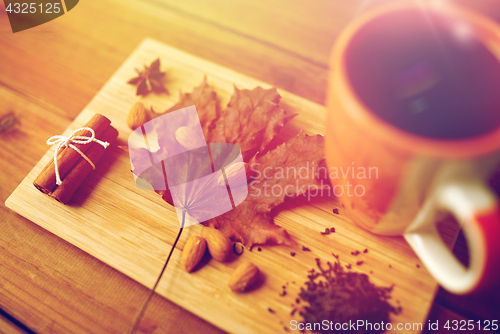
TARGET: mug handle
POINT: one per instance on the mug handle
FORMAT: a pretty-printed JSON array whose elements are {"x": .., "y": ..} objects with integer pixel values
[{"x": 476, "y": 208}]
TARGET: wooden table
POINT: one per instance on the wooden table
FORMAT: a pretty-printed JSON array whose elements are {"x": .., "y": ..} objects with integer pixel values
[{"x": 49, "y": 73}]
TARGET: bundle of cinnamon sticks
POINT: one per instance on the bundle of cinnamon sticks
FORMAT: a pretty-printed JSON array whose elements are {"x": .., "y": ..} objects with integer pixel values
[{"x": 73, "y": 167}]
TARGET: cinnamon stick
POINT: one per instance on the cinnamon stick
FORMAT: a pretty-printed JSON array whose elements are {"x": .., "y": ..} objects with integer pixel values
[
  {"x": 82, "y": 168},
  {"x": 67, "y": 157}
]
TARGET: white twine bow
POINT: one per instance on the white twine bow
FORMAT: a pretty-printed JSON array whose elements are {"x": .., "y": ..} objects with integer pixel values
[{"x": 63, "y": 141}]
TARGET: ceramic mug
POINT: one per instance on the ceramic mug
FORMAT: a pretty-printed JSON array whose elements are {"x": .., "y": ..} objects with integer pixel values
[{"x": 414, "y": 124}]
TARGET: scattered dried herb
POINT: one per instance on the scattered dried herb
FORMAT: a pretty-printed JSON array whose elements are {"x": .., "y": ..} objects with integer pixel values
[
  {"x": 238, "y": 248},
  {"x": 336, "y": 211},
  {"x": 332, "y": 229},
  {"x": 348, "y": 266},
  {"x": 305, "y": 249},
  {"x": 326, "y": 232},
  {"x": 340, "y": 296},
  {"x": 360, "y": 263},
  {"x": 7, "y": 122},
  {"x": 149, "y": 79},
  {"x": 292, "y": 254},
  {"x": 259, "y": 249},
  {"x": 366, "y": 250},
  {"x": 271, "y": 310},
  {"x": 418, "y": 266},
  {"x": 297, "y": 301},
  {"x": 293, "y": 311},
  {"x": 355, "y": 253},
  {"x": 390, "y": 266}
]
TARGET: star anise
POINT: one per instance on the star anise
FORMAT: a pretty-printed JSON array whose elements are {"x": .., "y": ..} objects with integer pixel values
[{"x": 149, "y": 79}]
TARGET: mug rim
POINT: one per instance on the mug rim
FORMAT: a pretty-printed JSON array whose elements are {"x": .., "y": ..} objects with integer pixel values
[{"x": 367, "y": 119}]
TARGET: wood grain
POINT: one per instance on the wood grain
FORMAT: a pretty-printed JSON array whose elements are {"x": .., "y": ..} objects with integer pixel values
[
  {"x": 63, "y": 300},
  {"x": 7, "y": 326},
  {"x": 132, "y": 229}
]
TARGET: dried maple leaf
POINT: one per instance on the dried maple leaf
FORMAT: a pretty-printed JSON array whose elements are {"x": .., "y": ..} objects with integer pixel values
[
  {"x": 149, "y": 79},
  {"x": 251, "y": 120},
  {"x": 251, "y": 222},
  {"x": 205, "y": 100},
  {"x": 243, "y": 224},
  {"x": 291, "y": 168}
]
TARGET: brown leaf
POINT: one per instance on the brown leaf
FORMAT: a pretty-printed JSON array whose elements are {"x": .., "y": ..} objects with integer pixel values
[
  {"x": 243, "y": 224},
  {"x": 251, "y": 222},
  {"x": 205, "y": 100},
  {"x": 288, "y": 171},
  {"x": 251, "y": 120}
]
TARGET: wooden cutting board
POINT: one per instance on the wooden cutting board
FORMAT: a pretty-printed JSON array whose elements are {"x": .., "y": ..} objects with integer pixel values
[{"x": 132, "y": 229}]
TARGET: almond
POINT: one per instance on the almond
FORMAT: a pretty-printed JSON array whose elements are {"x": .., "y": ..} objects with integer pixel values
[
  {"x": 137, "y": 116},
  {"x": 193, "y": 252},
  {"x": 218, "y": 244},
  {"x": 189, "y": 138},
  {"x": 235, "y": 175},
  {"x": 243, "y": 277}
]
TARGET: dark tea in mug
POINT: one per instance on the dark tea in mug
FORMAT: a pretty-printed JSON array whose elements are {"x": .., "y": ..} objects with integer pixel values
[
  {"x": 426, "y": 74},
  {"x": 414, "y": 92}
]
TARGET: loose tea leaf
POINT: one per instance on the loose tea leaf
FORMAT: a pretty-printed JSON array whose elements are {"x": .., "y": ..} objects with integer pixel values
[
  {"x": 7, "y": 122},
  {"x": 149, "y": 79},
  {"x": 340, "y": 296}
]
